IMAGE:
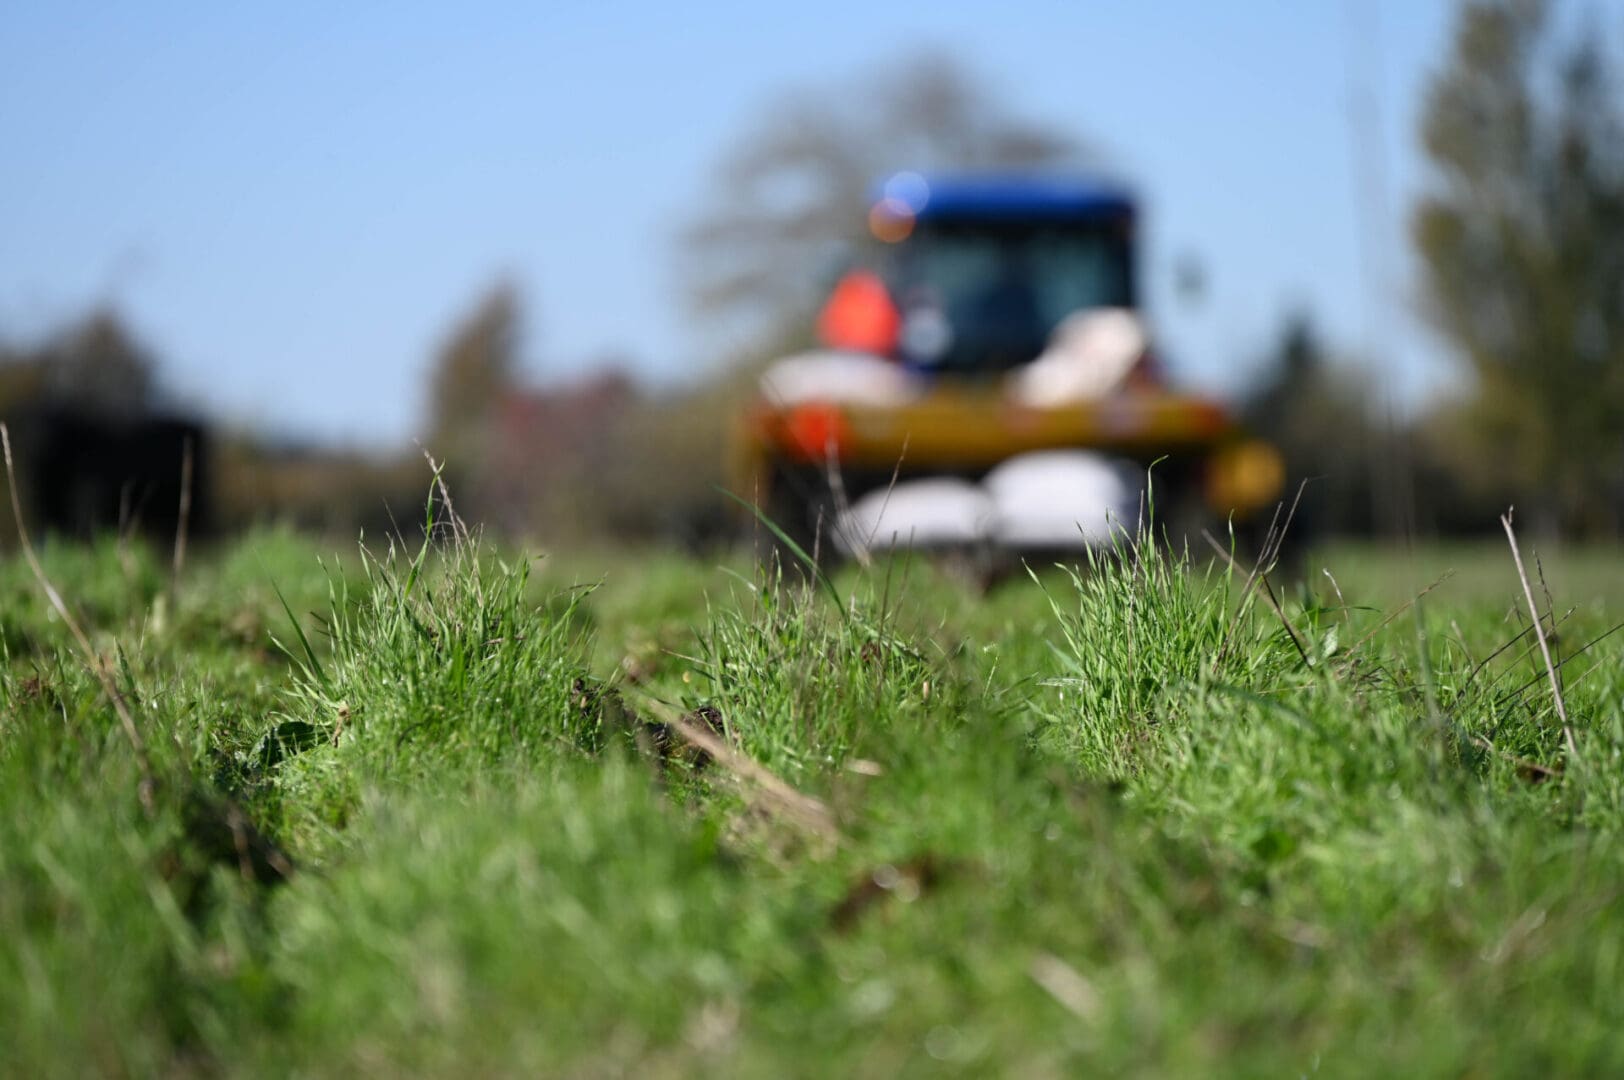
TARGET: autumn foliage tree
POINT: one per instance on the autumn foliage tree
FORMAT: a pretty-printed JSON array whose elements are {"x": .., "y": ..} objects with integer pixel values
[{"x": 1522, "y": 244}]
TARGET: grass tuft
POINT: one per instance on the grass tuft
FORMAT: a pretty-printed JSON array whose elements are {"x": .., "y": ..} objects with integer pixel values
[{"x": 1124, "y": 817}]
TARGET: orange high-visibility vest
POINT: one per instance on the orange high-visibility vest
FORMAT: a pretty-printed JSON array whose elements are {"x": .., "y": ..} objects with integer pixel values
[{"x": 860, "y": 316}]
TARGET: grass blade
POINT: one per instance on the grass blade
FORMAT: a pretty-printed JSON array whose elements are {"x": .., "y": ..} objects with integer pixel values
[
  {"x": 304, "y": 642},
  {"x": 795, "y": 549}
]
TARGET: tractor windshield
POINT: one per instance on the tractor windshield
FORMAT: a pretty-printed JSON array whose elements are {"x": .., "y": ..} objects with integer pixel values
[{"x": 1003, "y": 286}]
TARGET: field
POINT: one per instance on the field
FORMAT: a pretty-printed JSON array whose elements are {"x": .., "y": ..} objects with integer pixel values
[{"x": 447, "y": 810}]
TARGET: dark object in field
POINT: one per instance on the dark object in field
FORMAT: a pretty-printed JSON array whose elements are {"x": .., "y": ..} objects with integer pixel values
[
  {"x": 86, "y": 471},
  {"x": 903, "y": 881},
  {"x": 654, "y": 738},
  {"x": 221, "y": 832},
  {"x": 1532, "y": 772},
  {"x": 668, "y": 744},
  {"x": 284, "y": 741},
  {"x": 217, "y": 831}
]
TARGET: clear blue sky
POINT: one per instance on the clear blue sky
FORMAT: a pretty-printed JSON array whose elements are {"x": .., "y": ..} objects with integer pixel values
[{"x": 293, "y": 202}]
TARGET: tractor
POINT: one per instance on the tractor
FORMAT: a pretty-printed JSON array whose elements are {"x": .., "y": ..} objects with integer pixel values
[{"x": 987, "y": 382}]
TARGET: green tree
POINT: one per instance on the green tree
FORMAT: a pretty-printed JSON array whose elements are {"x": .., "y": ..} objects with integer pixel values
[
  {"x": 22, "y": 377},
  {"x": 1522, "y": 242},
  {"x": 474, "y": 370},
  {"x": 1319, "y": 414},
  {"x": 98, "y": 364}
]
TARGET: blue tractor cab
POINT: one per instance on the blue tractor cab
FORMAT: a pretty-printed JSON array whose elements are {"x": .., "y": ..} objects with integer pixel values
[{"x": 983, "y": 268}]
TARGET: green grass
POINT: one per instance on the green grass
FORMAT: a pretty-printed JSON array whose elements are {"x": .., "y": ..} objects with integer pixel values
[{"x": 420, "y": 811}]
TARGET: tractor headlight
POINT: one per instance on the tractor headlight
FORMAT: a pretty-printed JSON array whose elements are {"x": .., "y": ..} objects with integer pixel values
[{"x": 1244, "y": 476}]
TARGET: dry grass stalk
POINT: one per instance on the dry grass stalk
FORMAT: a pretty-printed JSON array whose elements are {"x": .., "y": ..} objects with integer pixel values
[
  {"x": 183, "y": 521},
  {"x": 92, "y": 659},
  {"x": 1268, "y": 594},
  {"x": 1353, "y": 649},
  {"x": 809, "y": 813},
  {"x": 1539, "y": 632},
  {"x": 459, "y": 528},
  {"x": 1066, "y": 985},
  {"x": 1267, "y": 558},
  {"x": 843, "y": 516}
]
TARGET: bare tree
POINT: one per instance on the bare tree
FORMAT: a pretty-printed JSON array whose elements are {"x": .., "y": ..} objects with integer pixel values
[{"x": 789, "y": 196}]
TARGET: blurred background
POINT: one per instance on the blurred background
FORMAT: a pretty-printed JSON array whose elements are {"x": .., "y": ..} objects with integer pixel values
[{"x": 556, "y": 244}]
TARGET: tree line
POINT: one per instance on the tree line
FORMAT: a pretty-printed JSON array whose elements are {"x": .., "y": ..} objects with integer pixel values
[{"x": 1519, "y": 234}]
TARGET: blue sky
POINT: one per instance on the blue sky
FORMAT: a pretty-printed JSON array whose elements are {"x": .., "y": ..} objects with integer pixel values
[{"x": 293, "y": 202}]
